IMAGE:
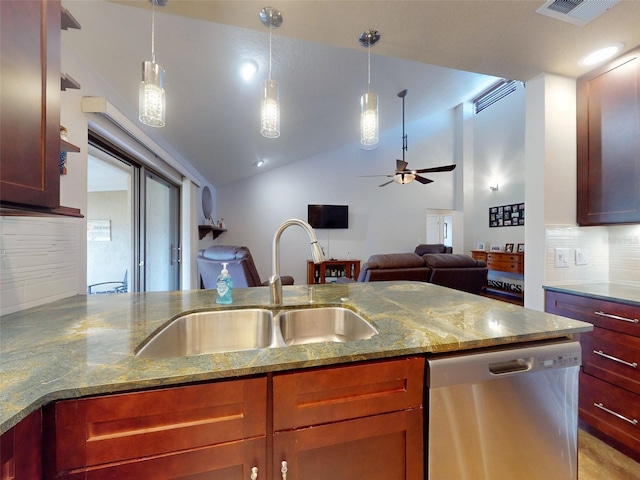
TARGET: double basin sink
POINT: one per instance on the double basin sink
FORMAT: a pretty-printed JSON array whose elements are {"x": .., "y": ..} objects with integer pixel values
[{"x": 247, "y": 329}]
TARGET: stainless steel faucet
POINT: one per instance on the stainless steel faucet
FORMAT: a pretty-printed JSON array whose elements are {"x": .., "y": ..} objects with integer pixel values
[{"x": 275, "y": 283}]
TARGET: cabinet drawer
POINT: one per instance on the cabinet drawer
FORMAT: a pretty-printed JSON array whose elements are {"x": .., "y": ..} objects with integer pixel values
[
  {"x": 505, "y": 266},
  {"x": 619, "y": 402},
  {"x": 619, "y": 317},
  {"x": 115, "y": 428},
  {"x": 613, "y": 357},
  {"x": 506, "y": 258},
  {"x": 325, "y": 395}
]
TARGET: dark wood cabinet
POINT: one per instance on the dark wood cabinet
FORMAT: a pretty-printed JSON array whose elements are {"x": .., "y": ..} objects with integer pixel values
[
  {"x": 357, "y": 421},
  {"x": 30, "y": 105},
  {"x": 609, "y": 400},
  {"x": 330, "y": 271},
  {"x": 608, "y": 129},
  {"x": 211, "y": 429},
  {"x": 21, "y": 450}
]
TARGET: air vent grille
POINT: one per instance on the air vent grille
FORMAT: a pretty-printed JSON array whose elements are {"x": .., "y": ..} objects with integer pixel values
[
  {"x": 576, "y": 12},
  {"x": 494, "y": 94},
  {"x": 564, "y": 6}
]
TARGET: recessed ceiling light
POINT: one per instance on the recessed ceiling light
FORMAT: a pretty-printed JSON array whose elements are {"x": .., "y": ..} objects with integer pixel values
[
  {"x": 258, "y": 163},
  {"x": 601, "y": 54},
  {"x": 248, "y": 69}
]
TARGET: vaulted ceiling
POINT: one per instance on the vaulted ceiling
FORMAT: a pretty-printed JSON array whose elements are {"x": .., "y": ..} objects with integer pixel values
[{"x": 443, "y": 51}]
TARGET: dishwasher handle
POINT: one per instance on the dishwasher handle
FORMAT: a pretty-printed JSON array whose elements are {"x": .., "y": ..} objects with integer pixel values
[{"x": 511, "y": 366}]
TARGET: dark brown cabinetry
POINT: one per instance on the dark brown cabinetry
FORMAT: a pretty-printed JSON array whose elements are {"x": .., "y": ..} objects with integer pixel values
[
  {"x": 609, "y": 381},
  {"x": 331, "y": 270},
  {"x": 359, "y": 421},
  {"x": 30, "y": 105},
  {"x": 217, "y": 430},
  {"x": 21, "y": 450},
  {"x": 367, "y": 423},
  {"x": 608, "y": 108}
]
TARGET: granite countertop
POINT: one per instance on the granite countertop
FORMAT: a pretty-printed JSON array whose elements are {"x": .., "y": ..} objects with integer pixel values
[
  {"x": 84, "y": 345},
  {"x": 613, "y": 292}
]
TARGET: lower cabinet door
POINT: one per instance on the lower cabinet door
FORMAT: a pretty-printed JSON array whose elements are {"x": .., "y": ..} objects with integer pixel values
[
  {"x": 381, "y": 447},
  {"x": 228, "y": 461}
]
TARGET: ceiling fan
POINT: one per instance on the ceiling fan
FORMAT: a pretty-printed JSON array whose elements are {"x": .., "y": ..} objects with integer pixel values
[{"x": 403, "y": 174}]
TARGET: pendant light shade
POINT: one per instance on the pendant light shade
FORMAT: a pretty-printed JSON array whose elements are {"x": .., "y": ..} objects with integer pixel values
[
  {"x": 369, "y": 121},
  {"x": 270, "y": 110},
  {"x": 151, "y": 96},
  {"x": 270, "y": 104},
  {"x": 369, "y": 101}
]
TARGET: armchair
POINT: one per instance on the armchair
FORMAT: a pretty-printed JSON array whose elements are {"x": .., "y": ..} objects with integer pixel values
[
  {"x": 240, "y": 265},
  {"x": 117, "y": 286}
]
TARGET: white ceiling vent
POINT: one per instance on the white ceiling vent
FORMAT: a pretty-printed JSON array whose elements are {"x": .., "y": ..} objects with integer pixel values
[{"x": 576, "y": 12}]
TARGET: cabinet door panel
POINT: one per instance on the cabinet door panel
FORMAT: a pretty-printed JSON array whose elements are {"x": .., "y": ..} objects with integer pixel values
[
  {"x": 613, "y": 357},
  {"x": 21, "y": 450},
  {"x": 332, "y": 394},
  {"x": 382, "y": 447},
  {"x": 609, "y": 143},
  {"x": 122, "y": 427},
  {"x": 30, "y": 102},
  {"x": 230, "y": 461},
  {"x": 595, "y": 392}
]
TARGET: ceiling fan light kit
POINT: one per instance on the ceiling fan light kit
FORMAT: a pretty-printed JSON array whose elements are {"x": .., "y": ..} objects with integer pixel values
[
  {"x": 369, "y": 101},
  {"x": 270, "y": 105},
  {"x": 403, "y": 175},
  {"x": 151, "y": 96}
]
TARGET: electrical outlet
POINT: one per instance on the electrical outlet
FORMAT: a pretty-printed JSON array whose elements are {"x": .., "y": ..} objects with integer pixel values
[
  {"x": 582, "y": 256},
  {"x": 561, "y": 257}
]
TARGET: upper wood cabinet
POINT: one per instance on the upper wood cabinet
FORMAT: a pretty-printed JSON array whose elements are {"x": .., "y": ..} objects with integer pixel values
[
  {"x": 30, "y": 105},
  {"x": 608, "y": 111}
]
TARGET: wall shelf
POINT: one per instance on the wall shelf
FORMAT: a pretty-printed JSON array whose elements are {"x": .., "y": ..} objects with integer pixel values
[
  {"x": 68, "y": 147},
  {"x": 203, "y": 230}
]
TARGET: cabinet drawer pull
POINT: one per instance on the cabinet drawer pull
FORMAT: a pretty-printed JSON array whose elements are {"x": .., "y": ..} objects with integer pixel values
[
  {"x": 621, "y": 417},
  {"x": 615, "y": 359},
  {"x": 283, "y": 470},
  {"x": 254, "y": 473},
  {"x": 616, "y": 317}
]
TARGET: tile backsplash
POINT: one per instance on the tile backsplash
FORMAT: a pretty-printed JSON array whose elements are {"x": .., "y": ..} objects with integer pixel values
[{"x": 609, "y": 254}]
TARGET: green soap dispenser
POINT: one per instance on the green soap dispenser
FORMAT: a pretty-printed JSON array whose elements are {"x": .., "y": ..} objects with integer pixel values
[{"x": 224, "y": 285}]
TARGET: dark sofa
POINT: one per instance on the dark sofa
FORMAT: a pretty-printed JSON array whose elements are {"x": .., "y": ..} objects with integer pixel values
[{"x": 447, "y": 269}]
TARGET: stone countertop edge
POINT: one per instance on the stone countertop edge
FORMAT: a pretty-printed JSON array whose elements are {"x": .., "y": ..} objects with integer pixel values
[
  {"x": 84, "y": 345},
  {"x": 610, "y": 292}
]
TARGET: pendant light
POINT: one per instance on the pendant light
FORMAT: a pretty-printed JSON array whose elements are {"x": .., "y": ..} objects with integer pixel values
[
  {"x": 270, "y": 105},
  {"x": 151, "y": 110},
  {"x": 369, "y": 101}
]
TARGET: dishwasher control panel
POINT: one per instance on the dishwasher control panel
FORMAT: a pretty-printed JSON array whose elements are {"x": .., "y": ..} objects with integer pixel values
[{"x": 563, "y": 360}]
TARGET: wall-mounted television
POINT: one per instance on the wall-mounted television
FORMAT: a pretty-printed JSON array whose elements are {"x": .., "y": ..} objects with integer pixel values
[{"x": 328, "y": 216}]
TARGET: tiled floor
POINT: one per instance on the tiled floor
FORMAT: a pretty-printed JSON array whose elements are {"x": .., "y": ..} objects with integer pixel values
[{"x": 598, "y": 461}]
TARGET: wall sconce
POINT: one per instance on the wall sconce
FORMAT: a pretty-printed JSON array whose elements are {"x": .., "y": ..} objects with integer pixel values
[{"x": 494, "y": 186}]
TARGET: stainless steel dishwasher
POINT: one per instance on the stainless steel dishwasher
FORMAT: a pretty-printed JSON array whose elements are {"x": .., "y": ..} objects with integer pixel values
[{"x": 504, "y": 414}]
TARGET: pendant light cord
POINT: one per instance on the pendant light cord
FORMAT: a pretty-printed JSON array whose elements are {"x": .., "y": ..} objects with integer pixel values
[
  {"x": 369, "y": 67},
  {"x": 270, "y": 29},
  {"x": 153, "y": 31}
]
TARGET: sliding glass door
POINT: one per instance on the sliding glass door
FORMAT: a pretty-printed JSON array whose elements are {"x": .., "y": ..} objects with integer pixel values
[{"x": 161, "y": 251}]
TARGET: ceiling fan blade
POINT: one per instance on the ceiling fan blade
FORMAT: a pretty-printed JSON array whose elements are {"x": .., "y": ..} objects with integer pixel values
[
  {"x": 444, "y": 168},
  {"x": 423, "y": 180},
  {"x": 375, "y": 175},
  {"x": 386, "y": 183},
  {"x": 401, "y": 165}
]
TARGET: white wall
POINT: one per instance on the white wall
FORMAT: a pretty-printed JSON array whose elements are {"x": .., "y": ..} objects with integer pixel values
[
  {"x": 498, "y": 156},
  {"x": 387, "y": 219}
]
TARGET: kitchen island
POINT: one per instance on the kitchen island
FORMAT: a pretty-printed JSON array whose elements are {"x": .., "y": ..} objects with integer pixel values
[{"x": 84, "y": 346}]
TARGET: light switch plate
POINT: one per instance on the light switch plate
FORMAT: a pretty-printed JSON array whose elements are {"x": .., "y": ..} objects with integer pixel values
[
  {"x": 582, "y": 256},
  {"x": 561, "y": 257}
]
